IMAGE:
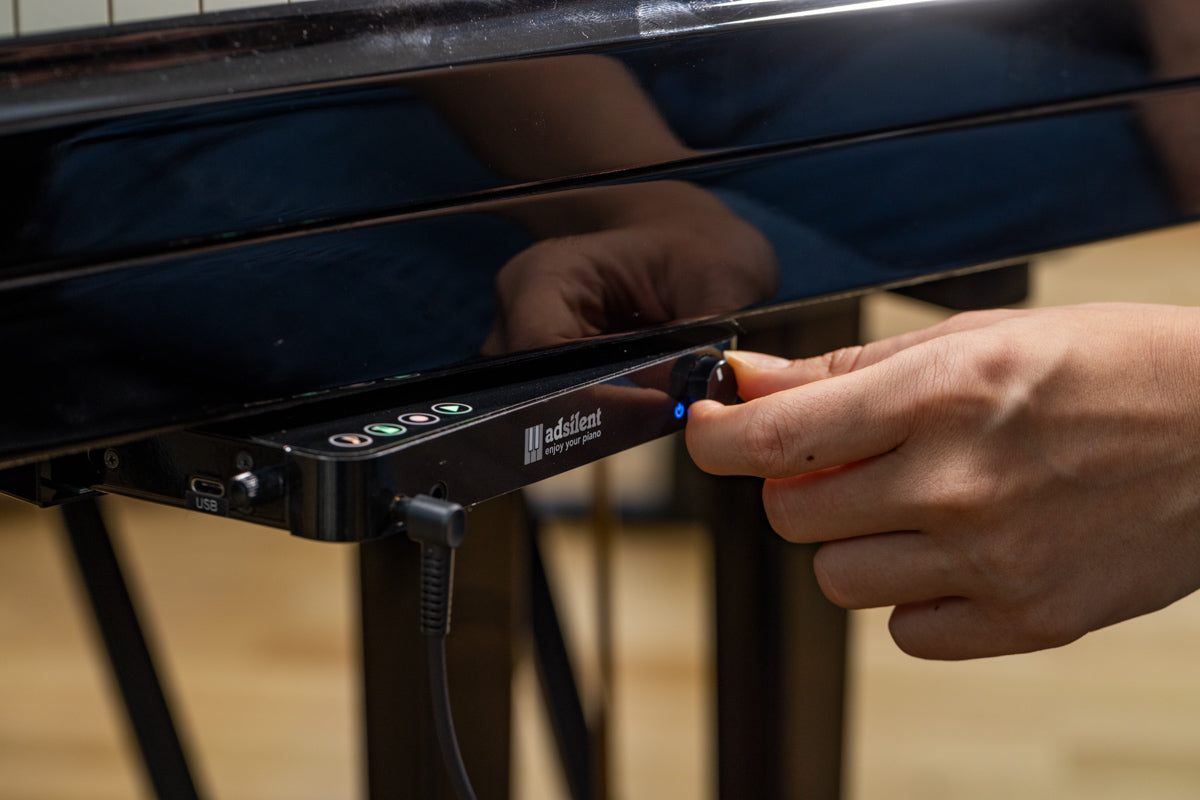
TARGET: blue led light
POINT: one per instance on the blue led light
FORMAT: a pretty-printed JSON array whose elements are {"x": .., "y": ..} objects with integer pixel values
[{"x": 680, "y": 410}]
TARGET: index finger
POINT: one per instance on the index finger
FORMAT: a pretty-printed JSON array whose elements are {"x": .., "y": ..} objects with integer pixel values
[
  {"x": 815, "y": 426},
  {"x": 759, "y": 374}
]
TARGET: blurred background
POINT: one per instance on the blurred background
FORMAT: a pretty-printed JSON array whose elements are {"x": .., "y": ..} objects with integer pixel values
[{"x": 256, "y": 636}]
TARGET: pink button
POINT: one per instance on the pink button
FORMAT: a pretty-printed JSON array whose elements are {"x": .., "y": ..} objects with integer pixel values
[{"x": 419, "y": 419}]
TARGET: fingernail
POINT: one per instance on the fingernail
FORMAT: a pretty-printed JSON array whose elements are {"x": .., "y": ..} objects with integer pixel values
[{"x": 754, "y": 360}]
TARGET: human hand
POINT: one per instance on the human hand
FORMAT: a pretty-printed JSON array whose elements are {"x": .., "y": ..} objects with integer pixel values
[
  {"x": 1009, "y": 480},
  {"x": 638, "y": 255}
]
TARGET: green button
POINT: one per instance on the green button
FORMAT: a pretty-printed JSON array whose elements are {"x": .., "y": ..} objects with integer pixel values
[
  {"x": 385, "y": 429},
  {"x": 453, "y": 408}
]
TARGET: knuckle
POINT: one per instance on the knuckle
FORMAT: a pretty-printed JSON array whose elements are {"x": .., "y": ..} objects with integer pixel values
[
  {"x": 842, "y": 361},
  {"x": 768, "y": 442},
  {"x": 1007, "y": 569},
  {"x": 781, "y": 513},
  {"x": 998, "y": 363},
  {"x": 970, "y": 386},
  {"x": 937, "y": 388},
  {"x": 777, "y": 509},
  {"x": 913, "y": 635},
  {"x": 906, "y": 638},
  {"x": 1022, "y": 590},
  {"x": 960, "y": 492},
  {"x": 948, "y": 496},
  {"x": 833, "y": 578}
]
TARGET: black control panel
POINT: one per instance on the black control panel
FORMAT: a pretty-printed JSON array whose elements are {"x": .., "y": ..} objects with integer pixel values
[{"x": 337, "y": 469}]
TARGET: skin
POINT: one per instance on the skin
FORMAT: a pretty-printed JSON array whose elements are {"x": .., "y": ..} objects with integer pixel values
[
  {"x": 642, "y": 254},
  {"x": 1008, "y": 480},
  {"x": 609, "y": 258},
  {"x": 1173, "y": 32}
]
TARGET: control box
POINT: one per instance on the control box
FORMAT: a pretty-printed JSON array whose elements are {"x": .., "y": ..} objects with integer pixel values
[{"x": 337, "y": 469}]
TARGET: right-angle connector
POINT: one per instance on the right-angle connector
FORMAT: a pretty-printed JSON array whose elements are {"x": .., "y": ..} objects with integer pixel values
[
  {"x": 429, "y": 520},
  {"x": 439, "y": 526}
]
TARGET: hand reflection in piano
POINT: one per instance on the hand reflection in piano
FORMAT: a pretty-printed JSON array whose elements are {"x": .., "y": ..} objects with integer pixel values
[
  {"x": 607, "y": 259},
  {"x": 563, "y": 264},
  {"x": 646, "y": 254}
]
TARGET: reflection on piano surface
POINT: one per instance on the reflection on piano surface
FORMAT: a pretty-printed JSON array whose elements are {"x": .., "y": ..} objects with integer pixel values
[{"x": 215, "y": 216}]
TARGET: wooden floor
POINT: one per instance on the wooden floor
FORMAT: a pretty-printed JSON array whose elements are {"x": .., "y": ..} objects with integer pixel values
[{"x": 256, "y": 633}]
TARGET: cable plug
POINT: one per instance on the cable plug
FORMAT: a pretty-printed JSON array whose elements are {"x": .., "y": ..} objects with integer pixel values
[{"x": 439, "y": 526}]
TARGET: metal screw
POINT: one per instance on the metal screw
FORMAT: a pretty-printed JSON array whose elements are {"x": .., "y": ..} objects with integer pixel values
[
  {"x": 244, "y": 462},
  {"x": 111, "y": 459}
]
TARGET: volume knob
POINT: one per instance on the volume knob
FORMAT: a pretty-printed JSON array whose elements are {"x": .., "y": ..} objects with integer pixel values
[{"x": 709, "y": 377}]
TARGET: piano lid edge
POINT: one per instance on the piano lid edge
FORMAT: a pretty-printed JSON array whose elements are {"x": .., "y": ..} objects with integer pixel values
[{"x": 74, "y": 76}]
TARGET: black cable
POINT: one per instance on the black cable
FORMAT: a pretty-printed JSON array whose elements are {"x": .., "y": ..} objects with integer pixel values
[
  {"x": 443, "y": 718},
  {"x": 438, "y": 527}
]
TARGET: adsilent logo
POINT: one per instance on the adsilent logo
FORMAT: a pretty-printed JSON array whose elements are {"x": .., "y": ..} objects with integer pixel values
[
  {"x": 533, "y": 443},
  {"x": 561, "y": 436}
]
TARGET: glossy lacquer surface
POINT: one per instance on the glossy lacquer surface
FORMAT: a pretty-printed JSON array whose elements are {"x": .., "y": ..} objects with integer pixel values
[{"x": 251, "y": 206}]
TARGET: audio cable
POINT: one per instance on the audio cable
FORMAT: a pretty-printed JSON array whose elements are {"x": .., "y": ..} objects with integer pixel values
[{"x": 439, "y": 527}]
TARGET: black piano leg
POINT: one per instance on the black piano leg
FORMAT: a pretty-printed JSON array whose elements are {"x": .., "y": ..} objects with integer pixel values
[
  {"x": 781, "y": 659},
  {"x": 576, "y": 744},
  {"x": 402, "y": 755},
  {"x": 781, "y": 646},
  {"x": 128, "y": 652}
]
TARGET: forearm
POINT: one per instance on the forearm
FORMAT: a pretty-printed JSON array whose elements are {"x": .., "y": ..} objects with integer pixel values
[
  {"x": 579, "y": 211},
  {"x": 1173, "y": 31},
  {"x": 1173, "y": 120},
  {"x": 551, "y": 117}
]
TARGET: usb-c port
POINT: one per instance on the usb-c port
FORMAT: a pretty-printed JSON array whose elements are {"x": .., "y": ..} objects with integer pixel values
[{"x": 209, "y": 487}]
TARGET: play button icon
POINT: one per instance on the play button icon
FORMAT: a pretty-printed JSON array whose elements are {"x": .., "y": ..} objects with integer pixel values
[{"x": 453, "y": 409}]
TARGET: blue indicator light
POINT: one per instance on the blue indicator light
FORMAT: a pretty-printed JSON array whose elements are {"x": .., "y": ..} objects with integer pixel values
[{"x": 680, "y": 410}]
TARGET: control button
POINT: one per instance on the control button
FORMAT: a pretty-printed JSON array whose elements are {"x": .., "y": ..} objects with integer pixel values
[
  {"x": 419, "y": 419},
  {"x": 703, "y": 377},
  {"x": 351, "y": 440},
  {"x": 385, "y": 429},
  {"x": 453, "y": 409}
]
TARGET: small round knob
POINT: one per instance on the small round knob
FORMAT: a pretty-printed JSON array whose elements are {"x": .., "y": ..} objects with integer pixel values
[{"x": 711, "y": 378}]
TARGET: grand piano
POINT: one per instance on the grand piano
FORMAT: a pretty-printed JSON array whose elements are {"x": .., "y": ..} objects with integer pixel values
[{"x": 228, "y": 226}]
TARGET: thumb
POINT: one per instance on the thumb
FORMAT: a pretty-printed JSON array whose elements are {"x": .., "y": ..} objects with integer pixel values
[
  {"x": 759, "y": 374},
  {"x": 806, "y": 428}
]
